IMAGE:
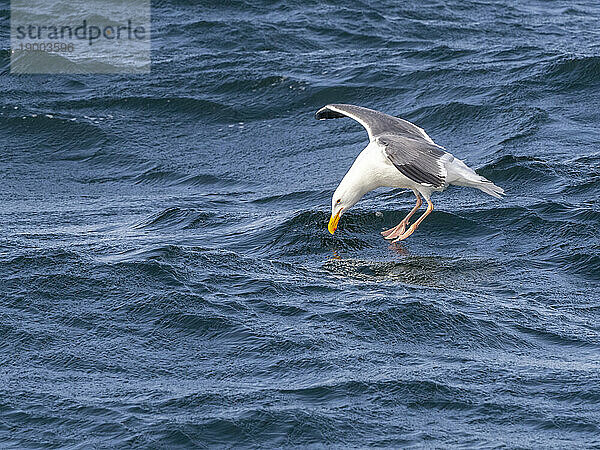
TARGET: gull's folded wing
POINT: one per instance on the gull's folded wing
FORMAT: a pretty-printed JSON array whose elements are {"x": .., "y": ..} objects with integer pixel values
[{"x": 416, "y": 159}]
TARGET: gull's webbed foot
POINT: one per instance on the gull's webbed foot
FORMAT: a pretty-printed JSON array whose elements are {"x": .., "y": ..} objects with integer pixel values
[
  {"x": 405, "y": 234},
  {"x": 400, "y": 229},
  {"x": 386, "y": 232},
  {"x": 415, "y": 225},
  {"x": 393, "y": 233}
]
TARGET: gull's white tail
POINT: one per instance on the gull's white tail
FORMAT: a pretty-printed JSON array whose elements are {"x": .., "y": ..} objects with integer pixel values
[
  {"x": 488, "y": 187},
  {"x": 459, "y": 174}
]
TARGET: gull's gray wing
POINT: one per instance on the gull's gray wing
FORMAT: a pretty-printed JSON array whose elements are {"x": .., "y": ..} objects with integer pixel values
[
  {"x": 406, "y": 145},
  {"x": 375, "y": 122},
  {"x": 415, "y": 158}
]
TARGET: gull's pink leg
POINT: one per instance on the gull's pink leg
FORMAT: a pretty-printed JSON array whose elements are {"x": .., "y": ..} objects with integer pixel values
[
  {"x": 415, "y": 225},
  {"x": 399, "y": 229}
]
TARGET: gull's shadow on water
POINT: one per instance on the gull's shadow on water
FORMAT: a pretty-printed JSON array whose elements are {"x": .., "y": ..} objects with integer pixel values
[
  {"x": 431, "y": 271},
  {"x": 399, "y": 248}
]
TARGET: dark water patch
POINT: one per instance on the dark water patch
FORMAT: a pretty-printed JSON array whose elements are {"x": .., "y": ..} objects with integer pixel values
[
  {"x": 160, "y": 252},
  {"x": 279, "y": 427},
  {"x": 509, "y": 216},
  {"x": 256, "y": 286},
  {"x": 226, "y": 281},
  {"x": 57, "y": 285},
  {"x": 108, "y": 167},
  {"x": 453, "y": 113},
  {"x": 448, "y": 224},
  {"x": 516, "y": 53},
  {"x": 5, "y": 53},
  {"x": 41, "y": 419},
  {"x": 209, "y": 326},
  {"x": 583, "y": 187},
  {"x": 558, "y": 336},
  {"x": 528, "y": 221},
  {"x": 416, "y": 322},
  {"x": 190, "y": 310},
  {"x": 574, "y": 72},
  {"x": 287, "y": 310},
  {"x": 51, "y": 136},
  {"x": 292, "y": 197},
  {"x": 511, "y": 124},
  {"x": 588, "y": 161},
  {"x": 254, "y": 85},
  {"x": 159, "y": 176},
  {"x": 553, "y": 210},
  {"x": 79, "y": 360},
  {"x": 358, "y": 220},
  {"x": 309, "y": 362},
  {"x": 32, "y": 260},
  {"x": 586, "y": 215},
  {"x": 195, "y": 108},
  {"x": 584, "y": 262},
  {"x": 519, "y": 169},
  {"x": 421, "y": 394},
  {"x": 176, "y": 218},
  {"x": 579, "y": 394},
  {"x": 151, "y": 271},
  {"x": 569, "y": 424},
  {"x": 285, "y": 338},
  {"x": 279, "y": 35},
  {"x": 536, "y": 421},
  {"x": 25, "y": 335},
  {"x": 520, "y": 124},
  {"x": 440, "y": 53},
  {"x": 557, "y": 219},
  {"x": 361, "y": 95}
]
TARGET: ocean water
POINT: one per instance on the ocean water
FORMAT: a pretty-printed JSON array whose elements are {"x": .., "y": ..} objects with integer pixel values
[{"x": 166, "y": 275}]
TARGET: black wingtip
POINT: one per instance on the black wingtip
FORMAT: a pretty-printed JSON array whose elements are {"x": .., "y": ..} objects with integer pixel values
[{"x": 326, "y": 113}]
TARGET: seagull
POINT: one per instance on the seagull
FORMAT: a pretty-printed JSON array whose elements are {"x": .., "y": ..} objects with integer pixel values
[{"x": 399, "y": 155}]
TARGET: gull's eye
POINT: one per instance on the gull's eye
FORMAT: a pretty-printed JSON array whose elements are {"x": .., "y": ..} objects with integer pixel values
[{"x": 338, "y": 201}]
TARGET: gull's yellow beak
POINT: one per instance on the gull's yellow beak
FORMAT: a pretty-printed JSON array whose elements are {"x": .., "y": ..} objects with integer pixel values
[{"x": 333, "y": 222}]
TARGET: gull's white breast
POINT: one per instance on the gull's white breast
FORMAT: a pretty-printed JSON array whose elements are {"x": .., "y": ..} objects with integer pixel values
[{"x": 377, "y": 170}]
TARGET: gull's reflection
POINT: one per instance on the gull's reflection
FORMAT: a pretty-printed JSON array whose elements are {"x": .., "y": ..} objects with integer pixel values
[{"x": 399, "y": 248}]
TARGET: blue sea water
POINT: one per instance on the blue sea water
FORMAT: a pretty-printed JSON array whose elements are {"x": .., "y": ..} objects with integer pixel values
[{"x": 167, "y": 278}]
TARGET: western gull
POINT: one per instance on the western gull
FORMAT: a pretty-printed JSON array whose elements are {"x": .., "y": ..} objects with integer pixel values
[{"x": 399, "y": 155}]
